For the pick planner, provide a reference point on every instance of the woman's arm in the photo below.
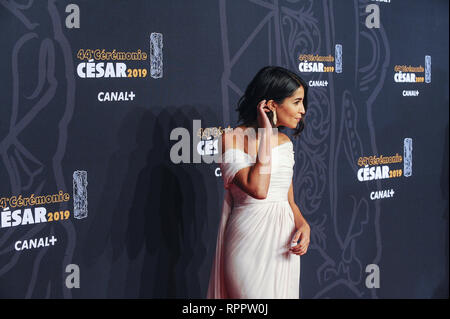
(255, 180)
(298, 217)
(303, 229)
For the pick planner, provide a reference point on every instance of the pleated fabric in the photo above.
(252, 258)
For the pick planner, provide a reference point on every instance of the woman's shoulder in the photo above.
(233, 138)
(236, 138)
(228, 142)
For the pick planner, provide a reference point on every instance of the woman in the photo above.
(257, 249)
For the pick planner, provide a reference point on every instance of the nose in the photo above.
(302, 109)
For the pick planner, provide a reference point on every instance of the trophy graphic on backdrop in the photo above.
(80, 194)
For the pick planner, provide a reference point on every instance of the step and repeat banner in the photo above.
(95, 95)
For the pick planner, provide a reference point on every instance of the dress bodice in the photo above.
(282, 166)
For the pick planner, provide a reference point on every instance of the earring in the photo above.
(274, 117)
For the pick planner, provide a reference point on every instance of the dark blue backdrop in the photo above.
(151, 226)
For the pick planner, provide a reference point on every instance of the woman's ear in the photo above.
(271, 104)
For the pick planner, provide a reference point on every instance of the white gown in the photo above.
(252, 258)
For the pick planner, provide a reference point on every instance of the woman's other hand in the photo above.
(302, 234)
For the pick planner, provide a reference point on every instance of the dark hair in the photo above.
(270, 83)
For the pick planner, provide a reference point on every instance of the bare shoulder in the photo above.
(237, 138)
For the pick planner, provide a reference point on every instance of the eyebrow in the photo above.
(298, 98)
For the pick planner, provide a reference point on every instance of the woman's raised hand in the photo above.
(263, 119)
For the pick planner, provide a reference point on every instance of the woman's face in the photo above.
(291, 110)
